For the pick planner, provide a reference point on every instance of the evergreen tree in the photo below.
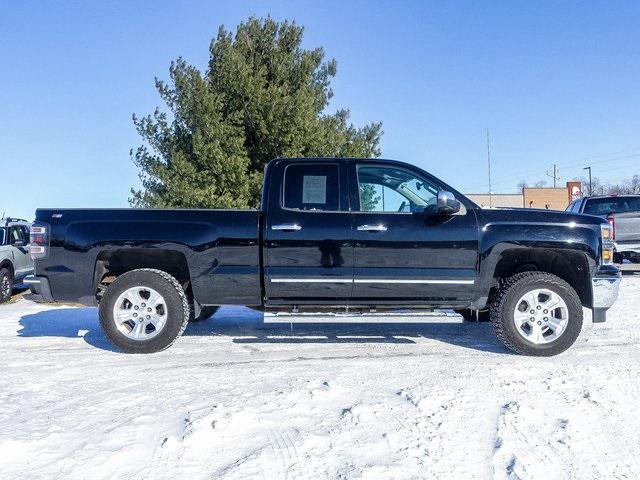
(262, 96)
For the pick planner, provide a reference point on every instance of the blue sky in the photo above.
(553, 81)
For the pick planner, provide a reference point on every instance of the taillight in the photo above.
(612, 222)
(39, 241)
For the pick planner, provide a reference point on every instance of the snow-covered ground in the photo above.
(237, 398)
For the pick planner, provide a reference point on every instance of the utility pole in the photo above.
(590, 190)
(489, 166)
(554, 176)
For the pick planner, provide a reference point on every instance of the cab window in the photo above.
(392, 189)
(314, 186)
(16, 233)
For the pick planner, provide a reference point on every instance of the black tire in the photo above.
(205, 314)
(512, 290)
(474, 315)
(6, 284)
(174, 297)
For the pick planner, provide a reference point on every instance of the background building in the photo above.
(531, 197)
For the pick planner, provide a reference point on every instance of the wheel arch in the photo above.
(112, 263)
(6, 263)
(572, 266)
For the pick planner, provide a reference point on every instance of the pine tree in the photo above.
(262, 96)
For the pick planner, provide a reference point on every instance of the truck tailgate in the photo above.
(627, 227)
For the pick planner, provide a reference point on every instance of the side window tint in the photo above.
(15, 234)
(392, 189)
(18, 232)
(312, 187)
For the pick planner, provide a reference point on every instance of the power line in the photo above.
(565, 166)
(555, 175)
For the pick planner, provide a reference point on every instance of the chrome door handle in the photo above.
(372, 228)
(287, 227)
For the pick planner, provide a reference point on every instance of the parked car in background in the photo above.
(333, 235)
(15, 261)
(623, 214)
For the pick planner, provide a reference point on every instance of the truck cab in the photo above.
(359, 231)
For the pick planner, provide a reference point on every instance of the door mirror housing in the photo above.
(446, 203)
(18, 243)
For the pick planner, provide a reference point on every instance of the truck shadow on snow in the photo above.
(246, 326)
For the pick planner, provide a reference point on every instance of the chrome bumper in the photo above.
(605, 290)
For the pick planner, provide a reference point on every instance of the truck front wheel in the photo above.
(537, 313)
(144, 311)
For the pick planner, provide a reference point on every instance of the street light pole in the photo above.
(489, 167)
(590, 187)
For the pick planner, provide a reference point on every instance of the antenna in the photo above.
(489, 166)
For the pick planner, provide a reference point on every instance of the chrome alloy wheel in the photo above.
(541, 316)
(5, 288)
(140, 313)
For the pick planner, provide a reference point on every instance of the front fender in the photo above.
(507, 247)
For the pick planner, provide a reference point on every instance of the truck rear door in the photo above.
(307, 240)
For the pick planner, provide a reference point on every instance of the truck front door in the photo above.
(403, 253)
(308, 243)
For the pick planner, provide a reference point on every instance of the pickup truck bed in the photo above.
(217, 249)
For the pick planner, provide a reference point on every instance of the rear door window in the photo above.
(313, 186)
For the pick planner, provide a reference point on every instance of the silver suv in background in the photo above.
(15, 261)
(623, 214)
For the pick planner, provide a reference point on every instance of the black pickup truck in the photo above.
(333, 235)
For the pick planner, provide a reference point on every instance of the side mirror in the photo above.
(446, 203)
(18, 243)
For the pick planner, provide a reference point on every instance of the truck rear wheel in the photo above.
(6, 284)
(144, 311)
(537, 313)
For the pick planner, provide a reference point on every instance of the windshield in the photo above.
(603, 206)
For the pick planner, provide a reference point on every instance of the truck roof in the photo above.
(4, 222)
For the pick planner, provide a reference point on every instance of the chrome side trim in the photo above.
(31, 280)
(434, 282)
(372, 228)
(373, 280)
(311, 280)
(291, 227)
